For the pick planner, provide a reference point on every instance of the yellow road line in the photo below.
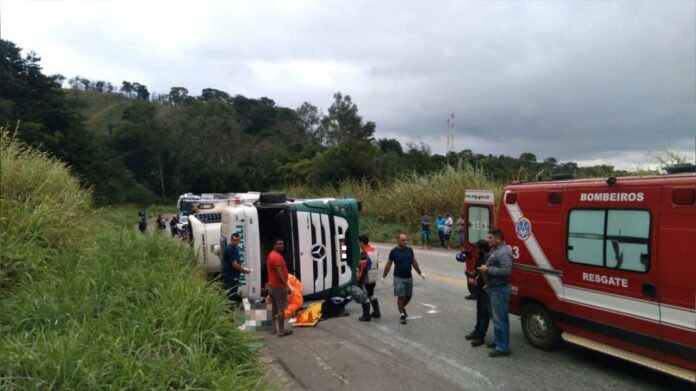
(449, 280)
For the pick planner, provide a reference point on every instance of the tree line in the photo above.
(131, 145)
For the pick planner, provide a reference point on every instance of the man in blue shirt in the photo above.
(403, 259)
(232, 267)
(441, 230)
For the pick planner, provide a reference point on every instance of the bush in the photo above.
(90, 303)
(42, 208)
(397, 205)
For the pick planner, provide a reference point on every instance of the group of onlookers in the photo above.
(444, 225)
(491, 278)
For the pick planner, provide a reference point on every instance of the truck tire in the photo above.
(272, 198)
(538, 327)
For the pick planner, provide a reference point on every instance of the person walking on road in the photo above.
(448, 229)
(425, 230)
(232, 268)
(441, 230)
(496, 273)
(370, 277)
(278, 288)
(477, 337)
(403, 259)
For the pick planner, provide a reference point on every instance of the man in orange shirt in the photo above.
(278, 288)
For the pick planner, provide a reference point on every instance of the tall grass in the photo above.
(40, 203)
(103, 306)
(397, 206)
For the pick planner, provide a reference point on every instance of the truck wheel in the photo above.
(538, 327)
(272, 198)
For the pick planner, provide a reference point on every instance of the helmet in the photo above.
(359, 293)
(461, 257)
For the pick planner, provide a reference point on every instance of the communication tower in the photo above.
(450, 133)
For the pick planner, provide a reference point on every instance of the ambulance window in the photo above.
(628, 233)
(616, 239)
(586, 237)
(478, 219)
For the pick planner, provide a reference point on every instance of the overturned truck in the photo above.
(320, 235)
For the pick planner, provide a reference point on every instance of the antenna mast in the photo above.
(450, 133)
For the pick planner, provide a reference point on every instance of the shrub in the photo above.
(42, 208)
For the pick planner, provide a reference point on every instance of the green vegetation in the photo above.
(133, 146)
(89, 303)
(397, 205)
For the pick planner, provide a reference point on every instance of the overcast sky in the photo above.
(587, 81)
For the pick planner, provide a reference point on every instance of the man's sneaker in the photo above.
(498, 353)
(491, 345)
(470, 297)
(403, 318)
(477, 342)
(471, 335)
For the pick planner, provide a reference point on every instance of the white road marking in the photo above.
(433, 357)
(325, 366)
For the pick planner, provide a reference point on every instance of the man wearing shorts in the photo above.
(403, 259)
(278, 288)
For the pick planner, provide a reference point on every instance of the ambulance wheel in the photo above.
(538, 327)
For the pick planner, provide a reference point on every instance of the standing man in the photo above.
(448, 229)
(496, 273)
(425, 230)
(232, 268)
(441, 230)
(403, 259)
(372, 264)
(278, 288)
(173, 225)
(461, 225)
(482, 313)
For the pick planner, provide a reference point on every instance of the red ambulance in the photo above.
(608, 264)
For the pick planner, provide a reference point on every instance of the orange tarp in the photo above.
(295, 300)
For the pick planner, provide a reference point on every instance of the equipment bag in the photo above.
(373, 273)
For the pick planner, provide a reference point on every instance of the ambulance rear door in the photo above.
(479, 214)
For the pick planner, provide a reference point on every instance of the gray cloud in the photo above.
(585, 81)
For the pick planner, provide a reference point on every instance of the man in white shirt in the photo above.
(448, 229)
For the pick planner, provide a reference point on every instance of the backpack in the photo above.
(373, 273)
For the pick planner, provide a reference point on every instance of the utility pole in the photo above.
(450, 133)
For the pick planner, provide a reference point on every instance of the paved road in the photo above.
(430, 351)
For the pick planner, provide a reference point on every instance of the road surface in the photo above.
(430, 352)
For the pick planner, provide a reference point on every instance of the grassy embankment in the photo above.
(86, 302)
(397, 206)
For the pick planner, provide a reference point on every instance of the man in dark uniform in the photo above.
(232, 268)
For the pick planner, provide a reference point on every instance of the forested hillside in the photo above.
(133, 145)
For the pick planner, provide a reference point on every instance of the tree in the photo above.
(127, 88)
(210, 94)
(343, 124)
(141, 91)
(310, 117)
(528, 158)
(390, 146)
(178, 95)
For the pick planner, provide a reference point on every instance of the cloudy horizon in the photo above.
(590, 82)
